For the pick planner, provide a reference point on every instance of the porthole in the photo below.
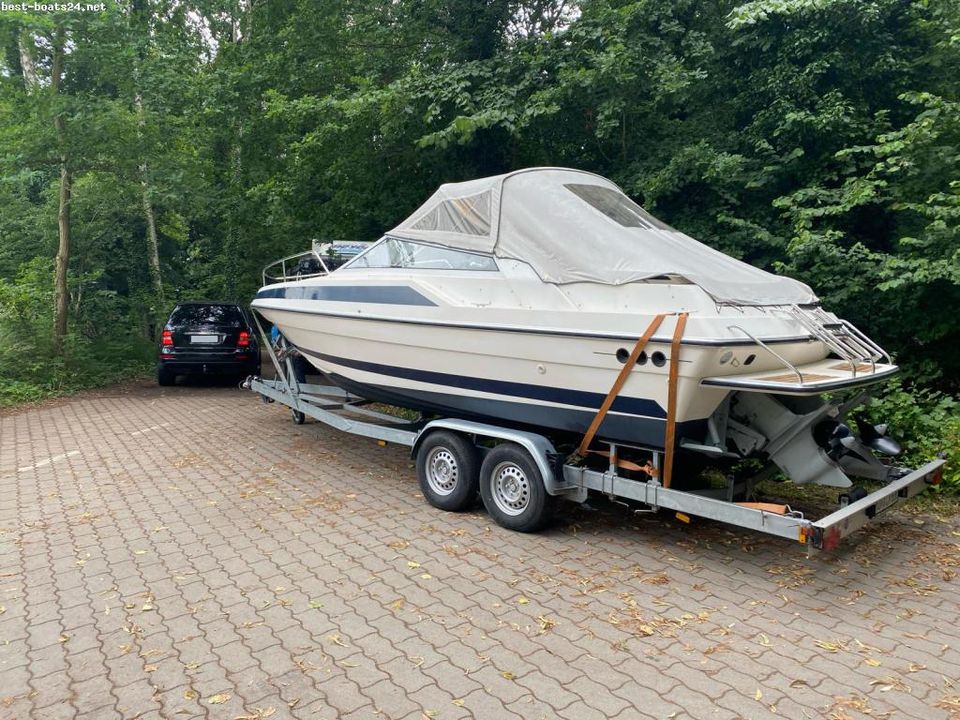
(622, 355)
(658, 359)
(750, 359)
(642, 360)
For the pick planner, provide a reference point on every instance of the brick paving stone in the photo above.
(391, 699)
(205, 520)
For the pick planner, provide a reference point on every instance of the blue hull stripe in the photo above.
(578, 398)
(375, 294)
(648, 432)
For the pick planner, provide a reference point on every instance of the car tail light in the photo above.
(244, 339)
(166, 338)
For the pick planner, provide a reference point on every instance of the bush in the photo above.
(926, 422)
(99, 349)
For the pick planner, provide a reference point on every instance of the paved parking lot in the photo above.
(189, 552)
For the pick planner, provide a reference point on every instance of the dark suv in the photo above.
(207, 338)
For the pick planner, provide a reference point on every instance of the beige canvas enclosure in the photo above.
(572, 226)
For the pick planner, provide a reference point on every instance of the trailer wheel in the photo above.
(298, 417)
(512, 489)
(448, 471)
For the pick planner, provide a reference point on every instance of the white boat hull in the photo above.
(544, 380)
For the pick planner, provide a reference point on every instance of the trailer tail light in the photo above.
(244, 340)
(166, 338)
(936, 477)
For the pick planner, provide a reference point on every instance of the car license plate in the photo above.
(204, 339)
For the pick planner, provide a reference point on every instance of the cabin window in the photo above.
(396, 253)
(616, 206)
(468, 215)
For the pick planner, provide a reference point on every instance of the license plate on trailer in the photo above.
(204, 339)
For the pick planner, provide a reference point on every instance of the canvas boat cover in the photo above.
(572, 226)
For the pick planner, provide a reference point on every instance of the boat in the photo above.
(520, 299)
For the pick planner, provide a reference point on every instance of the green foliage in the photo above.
(97, 352)
(927, 423)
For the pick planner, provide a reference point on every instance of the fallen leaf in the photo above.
(872, 662)
(546, 624)
(507, 675)
(315, 604)
(139, 552)
(190, 695)
(219, 698)
(149, 668)
(458, 702)
(412, 564)
(427, 576)
(951, 703)
(430, 713)
(335, 639)
(886, 684)
(764, 640)
(829, 646)
(523, 601)
(915, 667)
(758, 695)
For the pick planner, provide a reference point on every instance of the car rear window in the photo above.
(229, 315)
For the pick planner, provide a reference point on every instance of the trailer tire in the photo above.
(512, 489)
(448, 471)
(298, 417)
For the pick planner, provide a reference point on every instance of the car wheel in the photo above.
(165, 377)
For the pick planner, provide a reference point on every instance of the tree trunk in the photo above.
(153, 247)
(61, 291)
(153, 250)
(28, 65)
(141, 26)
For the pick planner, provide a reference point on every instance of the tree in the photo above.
(61, 292)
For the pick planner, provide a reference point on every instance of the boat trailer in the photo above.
(521, 467)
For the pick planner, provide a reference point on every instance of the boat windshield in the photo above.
(394, 253)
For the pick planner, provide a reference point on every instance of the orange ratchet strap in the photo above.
(672, 398)
(621, 379)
